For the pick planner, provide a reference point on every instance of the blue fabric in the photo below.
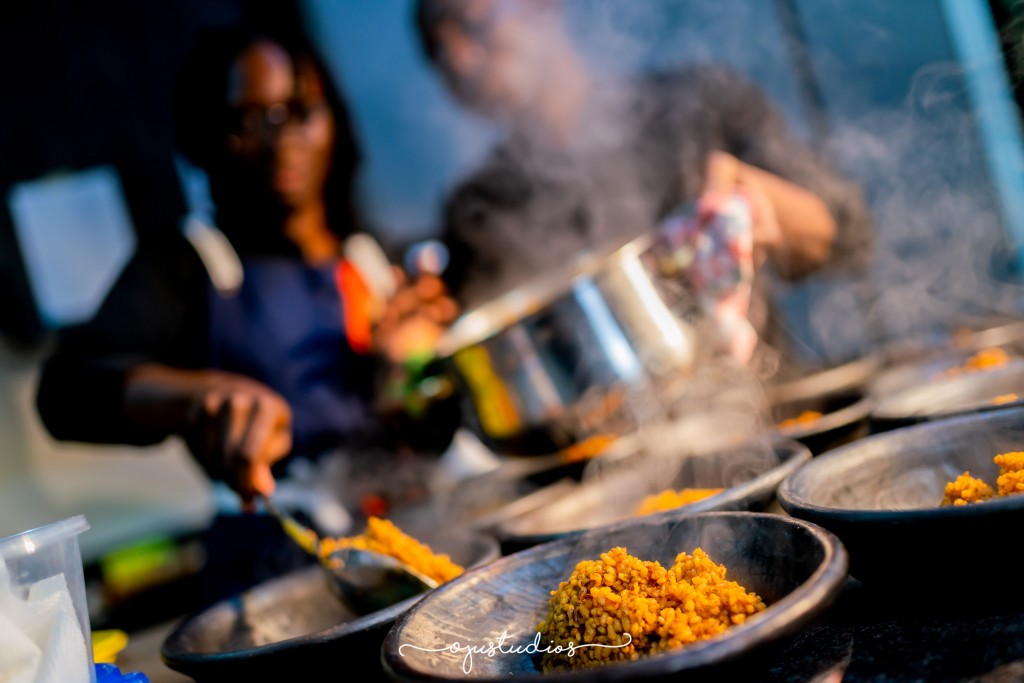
(108, 673)
(285, 328)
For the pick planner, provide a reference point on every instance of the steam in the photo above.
(940, 238)
(941, 254)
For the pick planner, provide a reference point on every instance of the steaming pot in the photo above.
(572, 359)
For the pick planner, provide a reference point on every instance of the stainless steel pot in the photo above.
(573, 358)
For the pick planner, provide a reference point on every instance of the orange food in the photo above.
(634, 607)
(670, 499)
(1010, 483)
(803, 419)
(1009, 462)
(1004, 398)
(588, 448)
(986, 359)
(384, 537)
(967, 489)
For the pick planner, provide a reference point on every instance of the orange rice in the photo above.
(636, 607)
(384, 537)
(588, 448)
(984, 359)
(1010, 483)
(802, 420)
(669, 499)
(967, 489)
(1009, 462)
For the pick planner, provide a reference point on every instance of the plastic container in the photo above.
(50, 550)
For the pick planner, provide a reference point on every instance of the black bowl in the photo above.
(943, 395)
(934, 362)
(797, 568)
(882, 495)
(844, 418)
(838, 380)
(516, 486)
(838, 393)
(961, 339)
(915, 370)
(1004, 332)
(750, 475)
(294, 623)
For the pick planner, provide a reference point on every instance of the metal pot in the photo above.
(575, 358)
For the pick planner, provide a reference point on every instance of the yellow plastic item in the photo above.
(106, 645)
(134, 568)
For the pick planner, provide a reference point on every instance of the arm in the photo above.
(799, 186)
(792, 225)
(149, 316)
(134, 375)
(236, 427)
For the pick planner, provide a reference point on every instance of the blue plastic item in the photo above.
(109, 673)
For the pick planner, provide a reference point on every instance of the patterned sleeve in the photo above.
(751, 127)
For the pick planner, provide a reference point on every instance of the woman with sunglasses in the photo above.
(286, 360)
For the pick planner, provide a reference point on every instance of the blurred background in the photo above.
(917, 100)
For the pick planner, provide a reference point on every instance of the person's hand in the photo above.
(415, 318)
(238, 428)
(235, 426)
(725, 176)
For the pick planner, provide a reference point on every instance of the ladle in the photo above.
(366, 580)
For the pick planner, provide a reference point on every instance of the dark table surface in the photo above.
(895, 633)
(968, 633)
(965, 634)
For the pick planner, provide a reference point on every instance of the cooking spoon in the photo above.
(366, 580)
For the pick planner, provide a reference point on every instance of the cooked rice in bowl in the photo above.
(384, 537)
(966, 489)
(670, 499)
(481, 626)
(619, 607)
(743, 478)
(883, 497)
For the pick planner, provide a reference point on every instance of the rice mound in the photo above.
(635, 607)
(669, 499)
(967, 489)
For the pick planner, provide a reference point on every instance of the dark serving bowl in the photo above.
(962, 338)
(838, 380)
(882, 495)
(844, 418)
(1003, 332)
(516, 486)
(941, 395)
(838, 393)
(796, 567)
(933, 361)
(749, 474)
(294, 623)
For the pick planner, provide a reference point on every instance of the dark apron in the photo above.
(285, 327)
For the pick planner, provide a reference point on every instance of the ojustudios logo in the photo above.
(500, 647)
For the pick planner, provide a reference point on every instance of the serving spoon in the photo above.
(365, 580)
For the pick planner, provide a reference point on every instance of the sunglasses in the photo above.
(258, 122)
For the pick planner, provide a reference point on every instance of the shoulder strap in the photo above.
(215, 251)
